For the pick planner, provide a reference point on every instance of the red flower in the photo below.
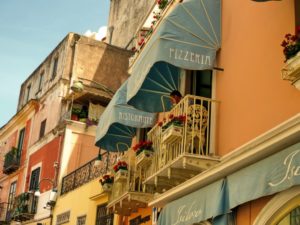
(171, 116)
(160, 123)
(288, 36)
(284, 43)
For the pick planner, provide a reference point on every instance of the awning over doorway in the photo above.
(117, 124)
(205, 203)
(188, 38)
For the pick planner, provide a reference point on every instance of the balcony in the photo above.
(183, 143)
(11, 161)
(291, 71)
(4, 214)
(86, 173)
(24, 207)
(129, 194)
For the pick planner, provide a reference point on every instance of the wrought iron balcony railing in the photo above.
(106, 220)
(183, 138)
(11, 161)
(86, 173)
(24, 207)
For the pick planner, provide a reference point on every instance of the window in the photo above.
(199, 83)
(21, 141)
(54, 68)
(11, 198)
(142, 134)
(41, 81)
(295, 216)
(28, 92)
(102, 218)
(297, 12)
(81, 220)
(42, 128)
(34, 179)
(292, 218)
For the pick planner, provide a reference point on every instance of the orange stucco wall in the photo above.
(253, 96)
(247, 213)
(143, 212)
(83, 150)
(47, 155)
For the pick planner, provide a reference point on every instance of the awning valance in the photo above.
(268, 176)
(188, 38)
(207, 202)
(117, 124)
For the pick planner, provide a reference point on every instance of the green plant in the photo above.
(291, 44)
(76, 111)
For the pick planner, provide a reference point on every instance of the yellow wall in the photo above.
(43, 222)
(79, 203)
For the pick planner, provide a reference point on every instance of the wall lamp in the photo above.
(98, 160)
(53, 193)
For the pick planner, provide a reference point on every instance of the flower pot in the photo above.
(173, 133)
(74, 117)
(107, 187)
(144, 157)
(121, 175)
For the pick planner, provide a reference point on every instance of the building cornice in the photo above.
(270, 142)
(30, 107)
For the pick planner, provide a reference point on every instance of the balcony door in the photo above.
(21, 142)
(11, 199)
(197, 83)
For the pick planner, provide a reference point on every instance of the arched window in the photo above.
(283, 209)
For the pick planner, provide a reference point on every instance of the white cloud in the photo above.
(97, 35)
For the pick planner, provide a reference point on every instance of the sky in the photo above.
(30, 30)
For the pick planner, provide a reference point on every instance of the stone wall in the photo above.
(125, 18)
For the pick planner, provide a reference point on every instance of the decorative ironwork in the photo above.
(11, 161)
(24, 207)
(87, 172)
(106, 220)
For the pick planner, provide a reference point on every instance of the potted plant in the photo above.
(121, 170)
(291, 51)
(172, 129)
(75, 114)
(107, 181)
(291, 46)
(143, 151)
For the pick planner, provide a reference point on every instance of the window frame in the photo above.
(34, 179)
(21, 142)
(54, 67)
(28, 89)
(42, 128)
(41, 81)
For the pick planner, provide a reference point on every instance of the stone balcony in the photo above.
(182, 149)
(291, 71)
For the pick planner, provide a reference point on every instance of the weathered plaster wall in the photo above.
(126, 16)
(102, 63)
(46, 68)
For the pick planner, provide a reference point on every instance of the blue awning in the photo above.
(268, 176)
(186, 38)
(208, 202)
(117, 124)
